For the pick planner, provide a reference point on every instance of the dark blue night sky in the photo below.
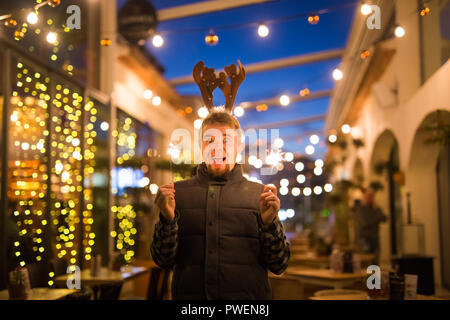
(183, 47)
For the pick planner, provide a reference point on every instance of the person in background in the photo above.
(368, 218)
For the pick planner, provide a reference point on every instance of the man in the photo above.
(220, 231)
(368, 218)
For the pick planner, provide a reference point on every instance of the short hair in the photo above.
(221, 117)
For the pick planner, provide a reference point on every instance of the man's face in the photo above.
(220, 147)
(368, 197)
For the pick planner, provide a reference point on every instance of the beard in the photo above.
(216, 170)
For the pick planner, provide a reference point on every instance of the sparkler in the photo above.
(275, 158)
(174, 153)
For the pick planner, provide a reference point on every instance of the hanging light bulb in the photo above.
(314, 139)
(10, 22)
(54, 3)
(198, 123)
(238, 111)
(366, 9)
(157, 41)
(424, 11)
(263, 31)
(307, 191)
(304, 92)
(261, 107)
(51, 37)
(309, 149)
(365, 54)
(105, 42)
(212, 38)
(288, 156)
(346, 128)
(284, 100)
(313, 19)
(203, 112)
(328, 187)
(148, 94)
(337, 74)
(18, 35)
(278, 143)
(156, 101)
(32, 18)
(399, 32)
(332, 138)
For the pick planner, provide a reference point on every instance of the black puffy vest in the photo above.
(219, 252)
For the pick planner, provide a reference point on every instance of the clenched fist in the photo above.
(269, 204)
(165, 200)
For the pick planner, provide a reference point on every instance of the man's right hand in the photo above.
(165, 200)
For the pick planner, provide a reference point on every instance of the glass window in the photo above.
(28, 179)
(135, 144)
(57, 170)
(66, 172)
(96, 179)
(68, 49)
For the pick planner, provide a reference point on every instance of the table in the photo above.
(299, 249)
(42, 294)
(365, 297)
(323, 262)
(326, 277)
(105, 276)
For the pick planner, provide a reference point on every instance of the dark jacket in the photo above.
(217, 243)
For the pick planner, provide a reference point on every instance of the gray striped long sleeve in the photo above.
(275, 247)
(165, 242)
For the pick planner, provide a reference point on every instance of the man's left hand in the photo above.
(269, 204)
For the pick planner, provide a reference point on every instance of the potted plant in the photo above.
(18, 284)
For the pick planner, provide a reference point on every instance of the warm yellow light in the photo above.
(52, 37)
(284, 100)
(32, 18)
(400, 32)
(157, 41)
(337, 74)
(366, 9)
(263, 31)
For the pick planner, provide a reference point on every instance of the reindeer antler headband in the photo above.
(207, 81)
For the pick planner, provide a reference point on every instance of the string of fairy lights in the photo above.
(42, 125)
(125, 231)
(28, 178)
(263, 31)
(30, 182)
(69, 143)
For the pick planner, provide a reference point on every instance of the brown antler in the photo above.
(230, 89)
(207, 81)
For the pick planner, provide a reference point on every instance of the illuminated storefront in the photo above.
(65, 195)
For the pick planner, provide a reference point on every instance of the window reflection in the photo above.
(135, 143)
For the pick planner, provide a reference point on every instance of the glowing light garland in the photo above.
(66, 175)
(28, 179)
(124, 216)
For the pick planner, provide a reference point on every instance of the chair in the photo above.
(159, 283)
(110, 291)
(38, 274)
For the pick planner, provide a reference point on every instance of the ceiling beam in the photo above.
(287, 123)
(203, 7)
(302, 135)
(275, 64)
(296, 98)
